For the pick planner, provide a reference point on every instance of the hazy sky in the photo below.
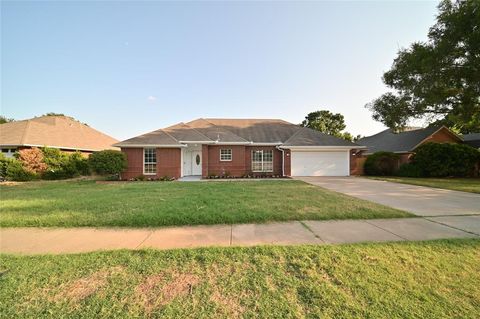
(126, 68)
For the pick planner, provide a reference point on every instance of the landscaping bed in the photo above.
(154, 204)
(437, 279)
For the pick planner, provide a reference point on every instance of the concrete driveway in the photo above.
(419, 200)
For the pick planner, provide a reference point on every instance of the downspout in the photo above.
(283, 160)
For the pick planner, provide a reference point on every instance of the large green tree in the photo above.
(325, 122)
(437, 80)
(328, 123)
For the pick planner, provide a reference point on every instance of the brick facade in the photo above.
(441, 136)
(241, 162)
(168, 163)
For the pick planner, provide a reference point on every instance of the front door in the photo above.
(196, 163)
(192, 162)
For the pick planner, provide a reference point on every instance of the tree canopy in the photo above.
(437, 80)
(329, 123)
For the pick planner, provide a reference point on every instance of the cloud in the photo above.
(152, 98)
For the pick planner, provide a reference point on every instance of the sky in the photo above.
(127, 68)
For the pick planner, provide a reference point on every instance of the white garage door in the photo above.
(324, 163)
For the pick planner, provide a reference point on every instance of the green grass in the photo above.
(438, 279)
(151, 204)
(471, 185)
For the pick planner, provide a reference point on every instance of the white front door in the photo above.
(196, 163)
(192, 162)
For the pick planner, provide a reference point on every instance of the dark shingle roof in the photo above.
(308, 137)
(237, 131)
(390, 141)
(158, 137)
(214, 132)
(183, 132)
(472, 139)
(258, 130)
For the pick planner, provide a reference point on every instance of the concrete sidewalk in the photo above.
(75, 240)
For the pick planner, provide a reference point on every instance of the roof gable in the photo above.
(389, 141)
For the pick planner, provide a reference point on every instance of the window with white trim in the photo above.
(225, 155)
(149, 161)
(262, 161)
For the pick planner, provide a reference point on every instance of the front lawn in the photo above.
(438, 279)
(471, 185)
(150, 204)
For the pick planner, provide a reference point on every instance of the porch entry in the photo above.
(192, 162)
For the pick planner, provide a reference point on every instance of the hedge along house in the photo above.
(404, 143)
(236, 147)
(61, 132)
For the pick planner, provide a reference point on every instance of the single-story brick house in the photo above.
(62, 132)
(236, 147)
(404, 143)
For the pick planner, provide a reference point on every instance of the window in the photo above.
(225, 155)
(149, 161)
(9, 152)
(262, 161)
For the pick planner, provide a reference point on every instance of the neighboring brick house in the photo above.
(236, 147)
(62, 132)
(404, 143)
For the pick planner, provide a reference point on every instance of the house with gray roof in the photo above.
(405, 142)
(236, 147)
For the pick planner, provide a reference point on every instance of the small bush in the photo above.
(446, 159)
(4, 162)
(409, 170)
(16, 172)
(63, 165)
(381, 164)
(54, 158)
(80, 164)
(108, 162)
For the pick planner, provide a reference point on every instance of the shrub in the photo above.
(381, 164)
(16, 172)
(446, 159)
(108, 162)
(63, 165)
(54, 158)
(32, 160)
(4, 162)
(80, 163)
(409, 170)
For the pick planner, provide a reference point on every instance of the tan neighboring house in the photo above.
(62, 132)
